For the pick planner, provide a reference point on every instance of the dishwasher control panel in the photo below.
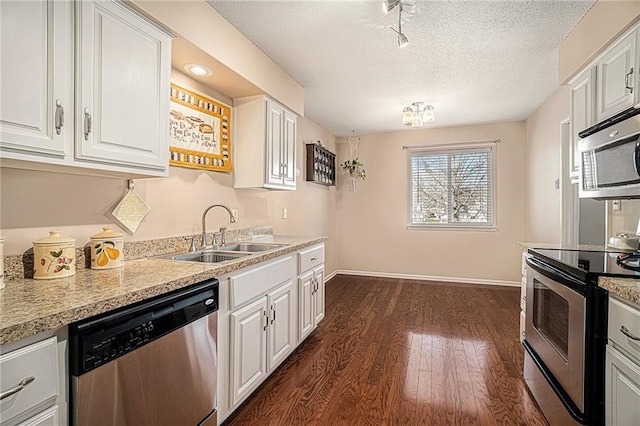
(101, 351)
(101, 339)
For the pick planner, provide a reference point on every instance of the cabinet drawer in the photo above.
(623, 315)
(256, 282)
(40, 361)
(310, 258)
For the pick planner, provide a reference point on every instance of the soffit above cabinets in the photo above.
(223, 79)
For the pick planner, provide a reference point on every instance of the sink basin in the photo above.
(207, 256)
(251, 247)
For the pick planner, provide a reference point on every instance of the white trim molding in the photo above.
(501, 283)
(331, 275)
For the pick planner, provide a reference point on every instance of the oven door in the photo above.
(555, 326)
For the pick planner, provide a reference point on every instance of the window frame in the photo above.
(453, 149)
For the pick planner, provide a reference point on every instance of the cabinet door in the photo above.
(622, 389)
(616, 77)
(289, 147)
(123, 93)
(274, 150)
(582, 100)
(36, 73)
(305, 305)
(50, 417)
(248, 349)
(318, 296)
(281, 330)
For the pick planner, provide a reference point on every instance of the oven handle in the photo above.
(554, 274)
(560, 393)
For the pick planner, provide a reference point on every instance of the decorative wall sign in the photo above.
(199, 132)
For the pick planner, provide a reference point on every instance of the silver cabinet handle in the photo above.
(87, 124)
(313, 259)
(626, 80)
(23, 384)
(624, 330)
(59, 118)
(266, 315)
(282, 167)
(274, 314)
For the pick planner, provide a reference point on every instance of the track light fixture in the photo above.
(387, 6)
(418, 116)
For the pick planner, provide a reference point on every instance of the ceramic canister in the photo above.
(106, 249)
(54, 257)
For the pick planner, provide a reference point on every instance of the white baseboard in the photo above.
(426, 278)
(331, 275)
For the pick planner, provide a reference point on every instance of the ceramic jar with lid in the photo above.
(54, 257)
(107, 249)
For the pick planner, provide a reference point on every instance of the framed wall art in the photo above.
(199, 132)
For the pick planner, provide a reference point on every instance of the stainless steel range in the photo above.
(565, 332)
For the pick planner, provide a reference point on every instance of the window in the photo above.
(452, 188)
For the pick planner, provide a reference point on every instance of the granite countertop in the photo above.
(625, 288)
(28, 306)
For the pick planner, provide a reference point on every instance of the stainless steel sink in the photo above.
(251, 247)
(206, 256)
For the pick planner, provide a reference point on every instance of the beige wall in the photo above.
(34, 202)
(625, 220)
(203, 26)
(372, 222)
(544, 166)
(606, 20)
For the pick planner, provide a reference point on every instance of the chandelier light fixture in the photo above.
(388, 6)
(418, 115)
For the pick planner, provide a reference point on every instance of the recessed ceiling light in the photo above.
(198, 69)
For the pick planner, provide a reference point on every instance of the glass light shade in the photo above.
(407, 116)
(429, 116)
(417, 121)
(198, 69)
(402, 40)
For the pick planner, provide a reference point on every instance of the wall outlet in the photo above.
(235, 214)
(284, 213)
(617, 205)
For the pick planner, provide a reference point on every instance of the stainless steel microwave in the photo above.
(610, 157)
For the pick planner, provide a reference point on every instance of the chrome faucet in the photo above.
(204, 216)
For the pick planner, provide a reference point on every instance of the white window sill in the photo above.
(473, 228)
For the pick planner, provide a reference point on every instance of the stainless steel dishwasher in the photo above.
(150, 364)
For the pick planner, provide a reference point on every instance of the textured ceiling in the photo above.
(475, 62)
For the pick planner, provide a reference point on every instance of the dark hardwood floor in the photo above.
(401, 352)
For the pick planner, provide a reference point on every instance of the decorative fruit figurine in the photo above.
(106, 249)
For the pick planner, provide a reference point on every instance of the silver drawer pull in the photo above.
(23, 384)
(314, 258)
(624, 330)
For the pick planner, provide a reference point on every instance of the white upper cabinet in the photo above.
(36, 78)
(265, 151)
(582, 99)
(123, 87)
(109, 113)
(617, 78)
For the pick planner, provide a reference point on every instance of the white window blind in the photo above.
(452, 187)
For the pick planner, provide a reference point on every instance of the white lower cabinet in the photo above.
(30, 384)
(261, 338)
(622, 389)
(50, 417)
(622, 374)
(311, 300)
